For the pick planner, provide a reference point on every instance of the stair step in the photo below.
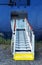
(23, 50)
(18, 48)
(21, 43)
(22, 46)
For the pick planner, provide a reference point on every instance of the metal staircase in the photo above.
(22, 43)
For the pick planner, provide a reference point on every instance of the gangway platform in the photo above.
(22, 43)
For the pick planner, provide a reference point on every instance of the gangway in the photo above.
(22, 42)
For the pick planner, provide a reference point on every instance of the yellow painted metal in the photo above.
(23, 56)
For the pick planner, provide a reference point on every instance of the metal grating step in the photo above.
(23, 50)
(20, 29)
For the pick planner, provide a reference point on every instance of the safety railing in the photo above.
(30, 34)
(13, 40)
